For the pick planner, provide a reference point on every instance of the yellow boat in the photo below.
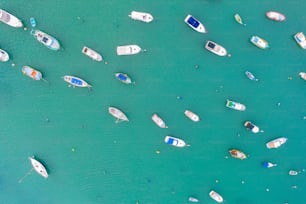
(238, 19)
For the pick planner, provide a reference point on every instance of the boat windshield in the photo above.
(76, 81)
(211, 45)
(193, 22)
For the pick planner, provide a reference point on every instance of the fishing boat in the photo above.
(38, 167)
(250, 126)
(267, 164)
(92, 54)
(195, 24)
(192, 116)
(300, 39)
(118, 114)
(251, 76)
(275, 16)
(276, 143)
(293, 173)
(128, 50)
(215, 48)
(33, 22)
(124, 78)
(46, 39)
(175, 141)
(237, 154)
(216, 196)
(158, 121)
(9, 19)
(303, 75)
(193, 200)
(76, 81)
(4, 56)
(259, 42)
(234, 105)
(141, 16)
(239, 19)
(31, 72)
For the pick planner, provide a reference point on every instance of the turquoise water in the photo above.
(91, 159)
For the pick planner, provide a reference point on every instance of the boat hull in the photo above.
(236, 106)
(124, 78)
(76, 81)
(276, 143)
(251, 76)
(300, 39)
(259, 42)
(192, 116)
(38, 167)
(195, 24)
(128, 50)
(215, 48)
(235, 153)
(91, 54)
(250, 126)
(10, 19)
(158, 121)
(275, 16)
(141, 16)
(31, 72)
(117, 114)
(216, 196)
(303, 75)
(4, 56)
(46, 39)
(174, 141)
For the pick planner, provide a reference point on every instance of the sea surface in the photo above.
(91, 159)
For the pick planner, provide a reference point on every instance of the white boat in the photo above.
(38, 167)
(303, 75)
(124, 78)
(259, 42)
(4, 56)
(175, 141)
(251, 76)
(92, 54)
(118, 114)
(76, 81)
(276, 143)
(216, 196)
(9, 19)
(158, 121)
(215, 48)
(268, 164)
(46, 39)
(293, 173)
(234, 105)
(237, 154)
(193, 200)
(32, 73)
(300, 39)
(195, 24)
(275, 16)
(128, 50)
(141, 16)
(250, 126)
(192, 116)
(239, 19)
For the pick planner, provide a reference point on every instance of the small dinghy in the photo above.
(46, 39)
(193, 200)
(192, 116)
(38, 167)
(237, 154)
(92, 54)
(235, 105)
(175, 141)
(128, 50)
(293, 173)
(300, 39)
(239, 19)
(10, 19)
(4, 56)
(76, 81)
(158, 121)
(275, 16)
(250, 126)
(33, 22)
(31, 72)
(259, 42)
(124, 78)
(118, 114)
(267, 164)
(251, 76)
(141, 16)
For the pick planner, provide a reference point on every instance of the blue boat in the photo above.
(33, 22)
(75, 81)
(251, 76)
(124, 78)
(268, 164)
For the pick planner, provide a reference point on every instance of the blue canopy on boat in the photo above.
(170, 141)
(193, 22)
(265, 164)
(76, 81)
(122, 77)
